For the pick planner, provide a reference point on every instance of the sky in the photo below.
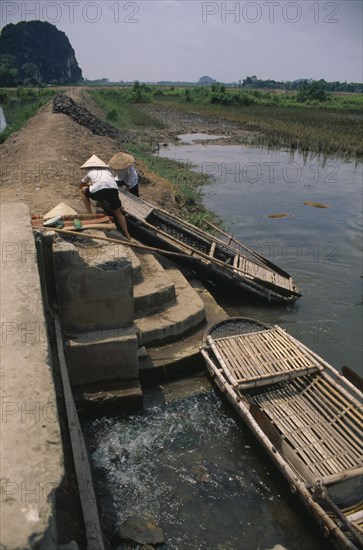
(182, 40)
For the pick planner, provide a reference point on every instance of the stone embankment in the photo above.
(65, 104)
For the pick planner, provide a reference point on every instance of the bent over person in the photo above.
(99, 185)
(123, 169)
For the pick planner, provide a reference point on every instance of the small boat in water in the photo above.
(306, 415)
(224, 260)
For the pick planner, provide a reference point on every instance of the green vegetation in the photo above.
(121, 106)
(336, 86)
(310, 119)
(19, 105)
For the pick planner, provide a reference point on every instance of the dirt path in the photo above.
(40, 164)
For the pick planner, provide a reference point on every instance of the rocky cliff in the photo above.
(36, 52)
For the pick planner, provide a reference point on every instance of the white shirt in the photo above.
(99, 179)
(128, 175)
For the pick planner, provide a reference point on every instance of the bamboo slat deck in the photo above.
(308, 417)
(318, 422)
(230, 260)
(138, 207)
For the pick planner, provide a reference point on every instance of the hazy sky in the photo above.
(152, 40)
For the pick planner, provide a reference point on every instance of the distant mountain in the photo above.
(36, 52)
(206, 80)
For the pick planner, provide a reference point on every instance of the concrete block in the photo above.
(102, 355)
(93, 293)
(31, 455)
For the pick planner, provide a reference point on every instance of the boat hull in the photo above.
(230, 263)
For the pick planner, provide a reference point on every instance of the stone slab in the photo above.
(155, 291)
(31, 456)
(102, 356)
(109, 399)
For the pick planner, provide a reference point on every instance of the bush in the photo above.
(4, 98)
(112, 115)
(312, 91)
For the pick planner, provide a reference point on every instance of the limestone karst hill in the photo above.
(36, 52)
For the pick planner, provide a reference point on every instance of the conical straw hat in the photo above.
(62, 209)
(94, 162)
(121, 160)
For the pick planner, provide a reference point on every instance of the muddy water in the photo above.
(189, 462)
(260, 196)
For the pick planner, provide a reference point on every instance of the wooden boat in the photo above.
(223, 260)
(305, 414)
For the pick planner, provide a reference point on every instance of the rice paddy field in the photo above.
(333, 126)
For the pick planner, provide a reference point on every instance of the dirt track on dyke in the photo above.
(40, 164)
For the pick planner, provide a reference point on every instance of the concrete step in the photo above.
(181, 317)
(181, 357)
(156, 291)
(153, 289)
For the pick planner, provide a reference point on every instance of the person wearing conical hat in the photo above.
(123, 169)
(99, 185)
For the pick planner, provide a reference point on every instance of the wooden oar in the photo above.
(74, 232)
(353, 377)
(193, 252)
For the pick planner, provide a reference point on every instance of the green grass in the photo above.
(123, 114)
(20, 105)
(331, 127)
(300, 127)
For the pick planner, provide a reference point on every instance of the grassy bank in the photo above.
(331, 125)
(188, 185)
(19, 105)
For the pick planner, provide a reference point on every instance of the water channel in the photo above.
(188, 462)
